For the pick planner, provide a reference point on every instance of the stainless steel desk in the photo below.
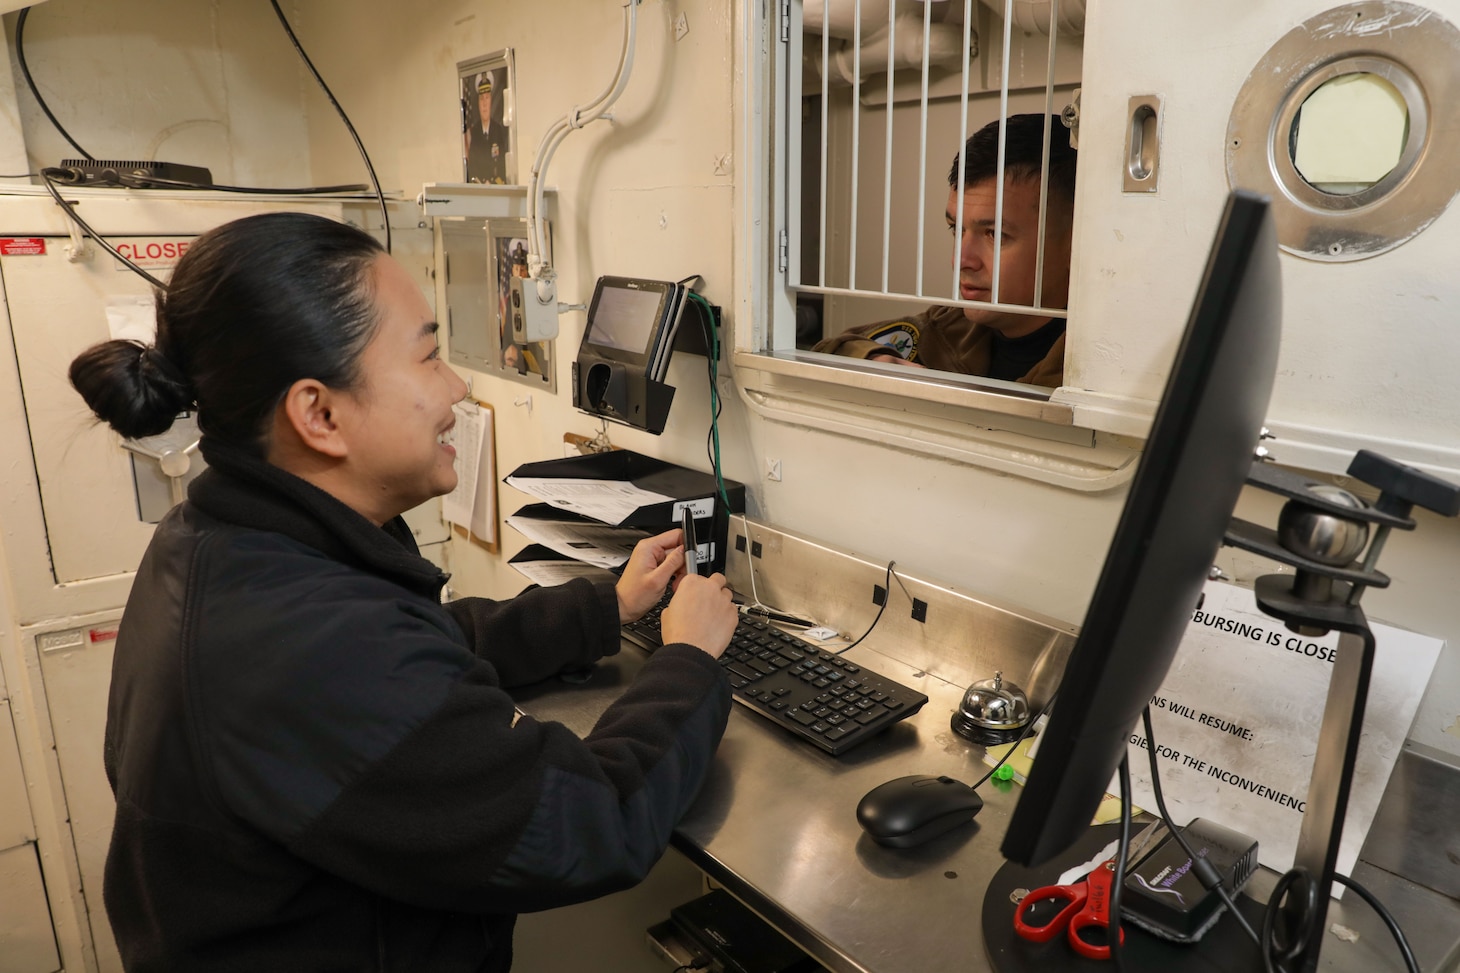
(776, 825)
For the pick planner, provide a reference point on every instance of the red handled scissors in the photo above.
(1087, 906)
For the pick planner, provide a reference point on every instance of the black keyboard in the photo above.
(822, 698)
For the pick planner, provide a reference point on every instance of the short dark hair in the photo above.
(1023, 154)
(252, 307)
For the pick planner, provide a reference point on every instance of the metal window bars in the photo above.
(837, 166)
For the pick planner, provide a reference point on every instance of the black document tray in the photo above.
(644, 472)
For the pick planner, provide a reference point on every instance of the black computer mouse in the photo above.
(911, 810)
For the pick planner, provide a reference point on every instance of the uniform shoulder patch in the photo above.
(901, 337)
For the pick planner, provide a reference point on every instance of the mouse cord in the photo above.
(1023, 734)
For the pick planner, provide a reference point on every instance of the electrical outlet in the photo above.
(920, 610)
(740, 543)
(879, 595)
(772, 469)
(755, 548)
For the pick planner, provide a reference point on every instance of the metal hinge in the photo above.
(785, 21)
(783, 252)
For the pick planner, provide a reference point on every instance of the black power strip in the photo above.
(100, 173)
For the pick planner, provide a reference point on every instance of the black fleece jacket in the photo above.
(316, 765)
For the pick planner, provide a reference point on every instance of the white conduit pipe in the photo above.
(559, 130)
(1033, 16)
(840, 21)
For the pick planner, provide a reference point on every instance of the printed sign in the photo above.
(22, 246)
(1236, 723)
(151, 252)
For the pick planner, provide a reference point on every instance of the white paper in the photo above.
(1085, 868)
(611, 501)
(592, 543)
(132, 317)
(1236, 724)
(473, 503)
(549, 573)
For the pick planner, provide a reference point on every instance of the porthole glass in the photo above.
(1350, 124)
(1350, 133)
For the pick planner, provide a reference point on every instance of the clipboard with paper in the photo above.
(472, 506)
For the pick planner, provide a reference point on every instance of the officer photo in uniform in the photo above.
(486, 137)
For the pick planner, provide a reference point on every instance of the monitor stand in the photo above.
(1224, 949)
(1320, 597)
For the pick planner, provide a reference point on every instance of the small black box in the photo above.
(717, 927)
(1164, 897)
(139, 173)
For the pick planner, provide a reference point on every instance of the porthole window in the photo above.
(1350, 133)
(1348, 123)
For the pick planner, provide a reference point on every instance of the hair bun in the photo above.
(156, 369)
(134, 388)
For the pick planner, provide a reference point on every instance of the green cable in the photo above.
(714, 355)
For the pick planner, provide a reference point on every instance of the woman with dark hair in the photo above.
(315, 762)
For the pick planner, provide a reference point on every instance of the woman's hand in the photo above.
(700, 614)
(656, 562)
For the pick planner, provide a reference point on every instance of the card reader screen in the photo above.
(625, 318)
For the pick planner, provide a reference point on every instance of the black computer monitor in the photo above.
(1195, 462)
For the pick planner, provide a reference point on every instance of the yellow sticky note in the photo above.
(1019, 763)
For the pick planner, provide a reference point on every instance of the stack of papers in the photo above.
(610, 501)
(547, 568)
(596, 508)
(572, 536)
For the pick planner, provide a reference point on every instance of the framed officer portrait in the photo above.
(488, 140)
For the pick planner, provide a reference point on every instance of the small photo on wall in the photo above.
(526, 361)
(487, 87)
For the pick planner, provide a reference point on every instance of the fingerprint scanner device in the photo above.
(725, 935)
(623, 358)
(1162, 892)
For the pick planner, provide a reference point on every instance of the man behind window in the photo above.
(995, 344)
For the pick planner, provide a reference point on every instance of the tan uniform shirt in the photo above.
(941, 338)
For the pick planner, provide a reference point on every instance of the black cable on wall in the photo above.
(374, 180)
(35, 92)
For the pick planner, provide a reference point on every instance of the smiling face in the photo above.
(1017, 255)
(399, 418)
